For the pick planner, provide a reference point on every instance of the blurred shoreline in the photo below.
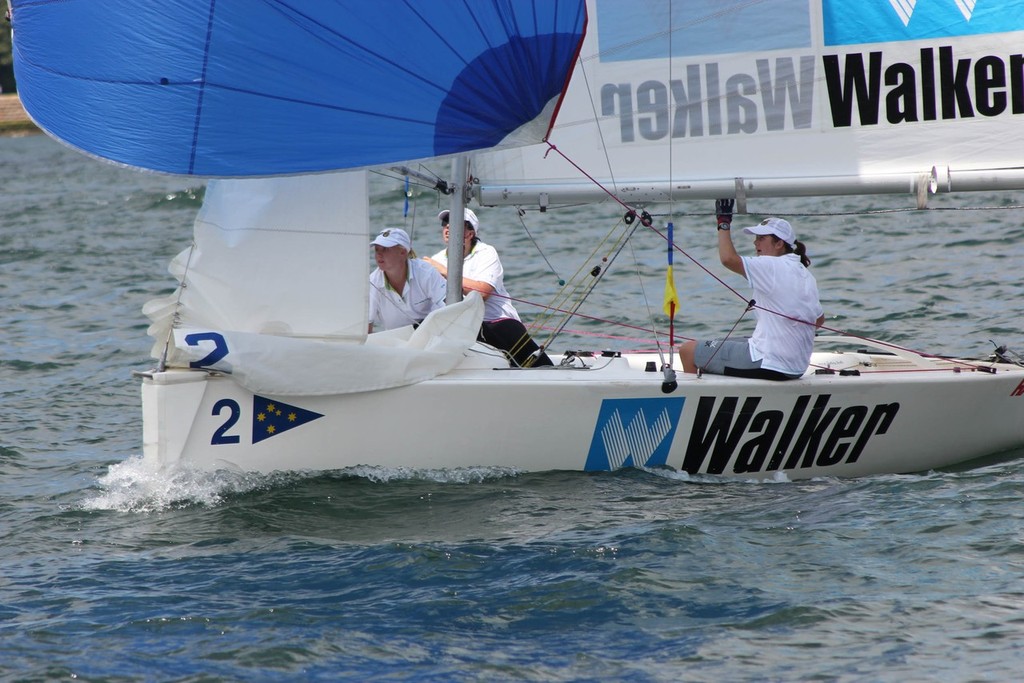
(13, 118)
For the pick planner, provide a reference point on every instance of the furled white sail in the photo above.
(274, 291)
(255, 238)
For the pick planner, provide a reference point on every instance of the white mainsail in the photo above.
(704, 99)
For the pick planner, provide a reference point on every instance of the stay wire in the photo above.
(671, 206)
(572, 295)
(176, 315)
(598, 272)
(600, 129)
(521, 212)
(750, 307)
(650, 313)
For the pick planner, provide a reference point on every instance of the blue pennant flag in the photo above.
(270, 418)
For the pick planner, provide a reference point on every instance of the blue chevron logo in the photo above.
(878, 21)
(633, 432)
(905, 9)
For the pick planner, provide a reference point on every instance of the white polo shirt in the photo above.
(782, 284)
(424, 291)
(482, 264)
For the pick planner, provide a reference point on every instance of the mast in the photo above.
(456, 243)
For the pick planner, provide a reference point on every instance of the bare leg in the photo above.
(686, 352)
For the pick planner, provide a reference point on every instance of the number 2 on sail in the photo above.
(220, 348)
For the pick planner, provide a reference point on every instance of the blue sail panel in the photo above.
(273, 87)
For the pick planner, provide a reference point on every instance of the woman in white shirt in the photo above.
(403, 289)
(482, 272)
(788, 309)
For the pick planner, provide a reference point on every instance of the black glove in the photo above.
(723, 212)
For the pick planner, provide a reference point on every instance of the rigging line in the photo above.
(750, 305)
(578, 291)
(612, 195)
(600, 335)
(575, 313)
(879, 342)
(647, 223)
(522, 212)
(650, 226)
(176, 316)
(597, 119)
(647, 305)
(869, 212)
(398, 171)
(697, 263)
(601, 272)
(568, 313)
(772, 312)
(670, 275)
(852, 335)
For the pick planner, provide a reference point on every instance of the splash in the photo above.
(134, 486)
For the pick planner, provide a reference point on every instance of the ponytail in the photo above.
(801, 250)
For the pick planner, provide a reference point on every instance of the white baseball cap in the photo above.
(393, 237)
(469, 216)
(779, 227)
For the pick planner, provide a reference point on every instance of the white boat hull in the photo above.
(894, 416)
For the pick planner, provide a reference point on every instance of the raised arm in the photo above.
(726, 250)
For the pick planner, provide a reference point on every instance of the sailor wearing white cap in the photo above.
(787, 305)
(403, 289)
(482, 271)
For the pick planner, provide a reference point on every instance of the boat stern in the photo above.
(170, 400)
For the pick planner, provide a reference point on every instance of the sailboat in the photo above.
(263, 359)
